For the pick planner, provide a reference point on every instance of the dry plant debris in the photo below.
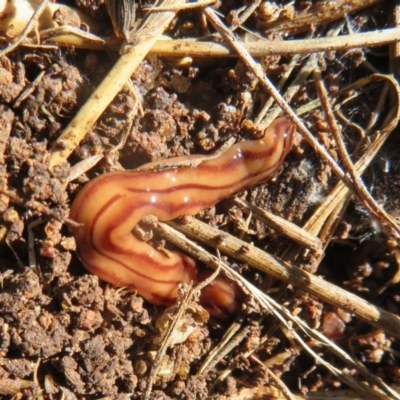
(315, 250)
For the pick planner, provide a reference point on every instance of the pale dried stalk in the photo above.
(164, 346)
(395, 47)
(145, 37)
(298, 82)
(328, 215)
(286, 47)
(282, 226)
(315, 285)
(320, 215)
(245, 15)
(230, 340)
(362, 193)
(290, 92)
(181, 48)
(278, 382)
(269, 87)
(188, 296)
(189, 6)
(283, 315)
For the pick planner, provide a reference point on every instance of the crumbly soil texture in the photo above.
(66, 334)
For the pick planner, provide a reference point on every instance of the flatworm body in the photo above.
(111, 205)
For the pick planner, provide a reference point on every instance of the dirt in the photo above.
(66, 334)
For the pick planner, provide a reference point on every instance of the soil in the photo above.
(66, 334)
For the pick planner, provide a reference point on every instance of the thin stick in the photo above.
(145, 38)
(189, 6)
(164, 346)
(285, 317)
(269, 87)
(286, 47)
(364, 196)
(245, 14)
(262, 48)
(282, 226)
(315, 285)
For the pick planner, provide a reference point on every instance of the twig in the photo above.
(182, 7)
(315, 285)
(164, 346)
(284, 316)
(81, 167)
(294, 87)
(188, 295)
(228, 342)
(146, 36)
(284, 389)
(269, 87)
(263, 119)
(262, 48)
(245, 14)
(395, 47)
(314, 223)
(29, 89)
(283, 226)
(362, 193)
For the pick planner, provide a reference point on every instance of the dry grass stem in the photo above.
(284, 389)
(362, 193)
(315, 285)
(328, 215)
(282, 226)
(284, 316)
(245, 14)
(395, 47)
(188, 295)
(270, 88)
(298, 82)
(316, 221)
(262, 121)
(262, 48)
(79, 34)
(165, 343)
(83, 166)
(231, 339)
(182, 7)
(153, 26)
(68, 36)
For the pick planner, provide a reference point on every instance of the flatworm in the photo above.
(109, 207)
